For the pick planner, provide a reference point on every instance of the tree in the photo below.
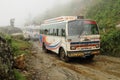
(12, 21)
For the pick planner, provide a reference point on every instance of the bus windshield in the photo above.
(79, 27)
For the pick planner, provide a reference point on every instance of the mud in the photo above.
(48, 66)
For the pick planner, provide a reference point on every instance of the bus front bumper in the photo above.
(83, 53)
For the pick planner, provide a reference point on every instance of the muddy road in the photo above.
(48, 66)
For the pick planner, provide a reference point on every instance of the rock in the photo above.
(20, 62)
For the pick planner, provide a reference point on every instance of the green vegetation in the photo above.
(107, 15)
(18, 75)
(110, 43)
(20, 47)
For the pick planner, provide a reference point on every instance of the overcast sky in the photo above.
(22, 9)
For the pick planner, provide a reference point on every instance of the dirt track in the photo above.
(48, 66)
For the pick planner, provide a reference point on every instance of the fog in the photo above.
(23, 10)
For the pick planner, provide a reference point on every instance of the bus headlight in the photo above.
(72, 48)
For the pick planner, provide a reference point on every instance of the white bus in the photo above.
(69, 37)
(31, 32)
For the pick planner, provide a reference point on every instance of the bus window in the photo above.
(53, 31)
(45, 31)
(62, 32)
(48, 31)
(75, 28)
(57, 32)
(91, 29)
(41, 31)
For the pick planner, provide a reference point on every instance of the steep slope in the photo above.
(106, 13)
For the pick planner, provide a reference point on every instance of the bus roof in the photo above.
(62, 18)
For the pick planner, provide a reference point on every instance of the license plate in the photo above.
(87, 53)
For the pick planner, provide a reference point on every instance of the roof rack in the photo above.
(62, 18)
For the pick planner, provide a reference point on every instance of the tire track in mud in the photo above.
(90, 69)
(55, 71)
(102, 68)
(93, 70)
(108, 66)
(89, 72)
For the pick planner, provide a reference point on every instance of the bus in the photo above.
(70, 36)
(31, 32)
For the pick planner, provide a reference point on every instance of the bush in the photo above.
(18, 75)
(20, 47)
(11, 47)
(110, 43)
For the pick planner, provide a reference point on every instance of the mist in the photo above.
(27, 12)
(24, 10)
(71, 8)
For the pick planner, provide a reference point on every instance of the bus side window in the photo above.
(40, 31)
(62, 32)
(53, 32)
(57, 32)
(48, 32)
(45, 31)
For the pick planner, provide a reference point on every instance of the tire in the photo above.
(44, 49)
(63, 57)
(90, 57)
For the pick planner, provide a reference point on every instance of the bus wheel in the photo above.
(44, 49)
(63, 57)
(90, 57)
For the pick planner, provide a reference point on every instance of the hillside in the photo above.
(106, 13)
(75, 7)
(10, 30)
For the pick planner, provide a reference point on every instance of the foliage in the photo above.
(106, 13)
(19, 46)
(17, 43)
(18, 75)
(110, 43)
(6, 60)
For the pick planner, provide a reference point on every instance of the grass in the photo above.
(18, 75)
(20, 47)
